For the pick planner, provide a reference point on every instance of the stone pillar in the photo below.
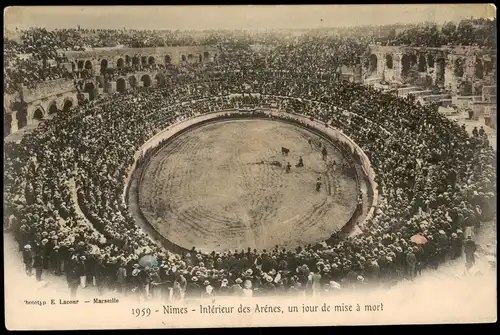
(13, 122)
(97, 68)
(29, 115)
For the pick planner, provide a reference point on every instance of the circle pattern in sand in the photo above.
(219, 187)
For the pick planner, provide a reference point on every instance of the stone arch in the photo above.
(132, 80)
(128, 60)
(104, 65)
(121, 85)
(422, 64)
(183, 58)
(144, 60)
(73, 67)
(200, 58)
(373, 63)
(167, 59)
(68, 104)
(52, 108)
(190, 58)
(389, 62)
(81, 64)
(120, 63)
(479, 71)
(405, 65)
(206, 55)
(151, 60)
(38, 114)
(146, 80)
(88, 65)
(430, 61)
(136, 60)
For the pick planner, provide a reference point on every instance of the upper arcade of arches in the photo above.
(122, 57)
(446, 67)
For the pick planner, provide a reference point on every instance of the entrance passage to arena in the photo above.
(120, 63)
(405, 65)
(68, 104)
(53, 108)
(151, 61)
(38, 114)
(146, 80)
(121, 85)
(389, 62)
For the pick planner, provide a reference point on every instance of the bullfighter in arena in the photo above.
(318, 184)
(288, 167)
(324, 153)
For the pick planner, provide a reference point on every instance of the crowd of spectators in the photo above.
(434, 181)
(37, 54)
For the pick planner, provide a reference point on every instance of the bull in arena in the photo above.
(285, 151)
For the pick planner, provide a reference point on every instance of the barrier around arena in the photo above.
(180, 127)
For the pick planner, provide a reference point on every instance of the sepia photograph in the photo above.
(249, 166)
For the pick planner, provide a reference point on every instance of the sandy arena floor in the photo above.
(209, 189)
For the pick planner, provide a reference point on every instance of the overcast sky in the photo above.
(231, 17)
